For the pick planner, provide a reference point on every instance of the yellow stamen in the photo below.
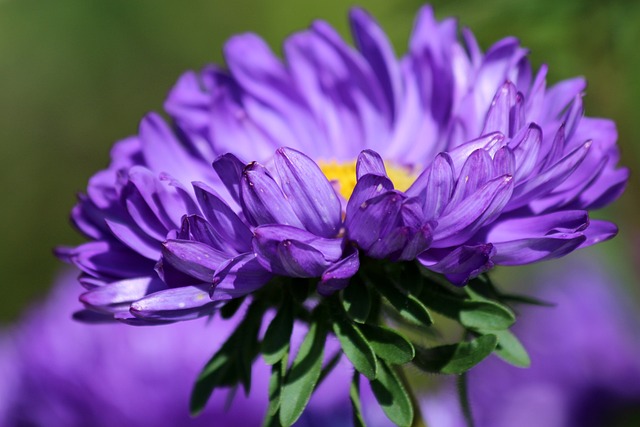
(343, 176)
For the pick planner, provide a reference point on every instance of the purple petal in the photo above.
(263, 201)
(462, 263)
(237, 277)
(476, 172)
(457, 225)
(376, 49)
(500, 113)
(370, 162)
(374, 218)
(533, 249)
(193, 258)
(338, 275)
(226, 224)
(599, 231)
(111, 259)
(310, 194)
(526, 152)
(134, 238)
(117, 296)
(538, 226)
(434, 186)
(184, 303)
(229, 169)
(269, 237)
(368, 187)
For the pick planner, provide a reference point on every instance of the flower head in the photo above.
(463, 160)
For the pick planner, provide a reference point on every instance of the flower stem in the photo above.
(463, 393)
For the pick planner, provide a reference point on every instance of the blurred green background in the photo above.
(76, 75)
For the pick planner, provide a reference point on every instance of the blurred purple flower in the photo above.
(57, 372)
(585, 370)
(458, 158)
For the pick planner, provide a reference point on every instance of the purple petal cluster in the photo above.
(503, 168)
(585, 370)
(59, 373)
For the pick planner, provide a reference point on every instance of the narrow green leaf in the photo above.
(486, 315)
(304, 374)
(392, 396)
(455, 358)
(353, 343)
(278, 371)
(388, 344)
(356, 300)
(276, 340)
(356, 406)
(511, 350)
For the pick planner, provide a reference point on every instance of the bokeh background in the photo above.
(76, 75)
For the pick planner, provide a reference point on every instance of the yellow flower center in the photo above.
(343, 176)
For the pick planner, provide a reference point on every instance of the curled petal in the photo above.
(193, 258)
(262, 199)
(374, 219)
(337, 276)
(237, 277)
(599, 231)
(183, 303)
(229, 228)
(117, 296)
(310, 194)
(370, 162)
(229, 169)
(461, 264)
(294, 252)
(533, 249)
(458, 224)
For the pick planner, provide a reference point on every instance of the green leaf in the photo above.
(331, 364)
(353, 343)
(276, 340)
(388, 344)
(455, 358)
(215, 374)
(392, 396)
(511, 350)
(486, 315)
(278, 371)
(409, 307)
(356, 406)
(304, 374)
(356, 300)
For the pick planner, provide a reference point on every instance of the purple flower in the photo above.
(458, 158)
(584, 361)
(57, 372)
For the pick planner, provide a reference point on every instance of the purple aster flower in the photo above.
(458, 158)
(57, 372)
(585, 370)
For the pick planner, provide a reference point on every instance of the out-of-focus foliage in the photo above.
(76, 75)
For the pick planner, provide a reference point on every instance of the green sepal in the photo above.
(511, 350)
(407, 305)
(388, 344)
(354, 345)
(356, 300)
(486, 315)
(392, 395)
(356, 406)
(278, 335)
(304, 373)
(455, 358)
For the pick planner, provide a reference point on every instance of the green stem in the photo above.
(463, 393)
